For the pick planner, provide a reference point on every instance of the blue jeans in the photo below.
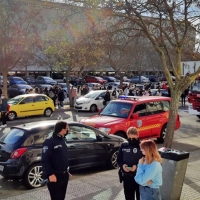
(149, 193)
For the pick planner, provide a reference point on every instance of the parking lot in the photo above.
(186, 138)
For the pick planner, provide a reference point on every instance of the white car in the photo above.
(91, 101)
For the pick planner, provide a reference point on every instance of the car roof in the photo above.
(141, 99)
(35, 125)
(29, 95)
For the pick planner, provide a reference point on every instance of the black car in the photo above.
(17, 89)
(21, 149)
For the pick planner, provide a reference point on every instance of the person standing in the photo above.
(73, 94)
(106, 98)
(61, 97)
(55, 161)
(149, 171)
(128, 157)
(4, 108)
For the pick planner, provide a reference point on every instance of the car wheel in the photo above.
(93, 108)
(12, 115)
(121, 134)
(198, 116)
(48, 112)
(162, 134)
(33, 176)
(113, 159)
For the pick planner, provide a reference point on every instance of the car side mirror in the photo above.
(135, 116)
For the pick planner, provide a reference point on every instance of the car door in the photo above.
(40, 104)
(26, 107)
(84, 150)
(141, 123)
(99, 100)
(155, 117)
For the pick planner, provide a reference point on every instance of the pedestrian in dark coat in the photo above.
(128, 157)
(106, 98)
(55, 161)
(61, 97)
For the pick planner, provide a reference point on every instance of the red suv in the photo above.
(95, 79)
(148, 113)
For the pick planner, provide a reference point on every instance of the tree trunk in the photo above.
(175, 96)
(5, 88)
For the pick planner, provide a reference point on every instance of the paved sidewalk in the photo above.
(106, 186)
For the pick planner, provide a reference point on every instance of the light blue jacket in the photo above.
(146, 172)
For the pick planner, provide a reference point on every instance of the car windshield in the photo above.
(15, 136)
(195, 87)
(92, 94)
(117, 109)
(15, 100)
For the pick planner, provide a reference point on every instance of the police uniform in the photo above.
(55, 161)
(129, 153)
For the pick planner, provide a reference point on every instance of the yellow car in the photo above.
(29, 105)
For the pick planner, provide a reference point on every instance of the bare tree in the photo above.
(18, 28)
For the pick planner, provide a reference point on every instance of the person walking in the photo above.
(73, 94)
(61, 97)
(128, 157)
(4, 108)
(55, 161)
(149, 171)
(183, 96)
(106, 98)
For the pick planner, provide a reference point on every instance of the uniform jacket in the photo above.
(54, 155)
(4, 105)
(129, 154)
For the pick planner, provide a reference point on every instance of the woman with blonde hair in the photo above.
(149, 171)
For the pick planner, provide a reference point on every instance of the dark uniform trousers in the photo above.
(58, 189)
(130, 187)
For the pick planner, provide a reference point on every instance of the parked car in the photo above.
(152, 78)
(109, 78)
(29, 79)
(17, 89)
(64, 87)
(75, 81)
(139, 79)
(16, 80)
(91, 101)
(95, 79)
(43, 86)
(30, 104)
(45, 80)
(116, 84)
(91, 85)
(21, 149)
(164, 92)
(1, 81)
(149, 114)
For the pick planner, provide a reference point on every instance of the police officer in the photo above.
(128, 157)
(55, 161)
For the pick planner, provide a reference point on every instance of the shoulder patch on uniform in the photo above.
(44, 149)
(135, 150)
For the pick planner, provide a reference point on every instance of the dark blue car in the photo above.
(16, 80)
(109, 78)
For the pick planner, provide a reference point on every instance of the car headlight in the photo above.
(104, 130)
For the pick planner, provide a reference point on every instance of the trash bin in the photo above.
(174, 168)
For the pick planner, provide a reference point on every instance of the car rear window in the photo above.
(15, 136)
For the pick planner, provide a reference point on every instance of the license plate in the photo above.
(1, 167)
(198, 95)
